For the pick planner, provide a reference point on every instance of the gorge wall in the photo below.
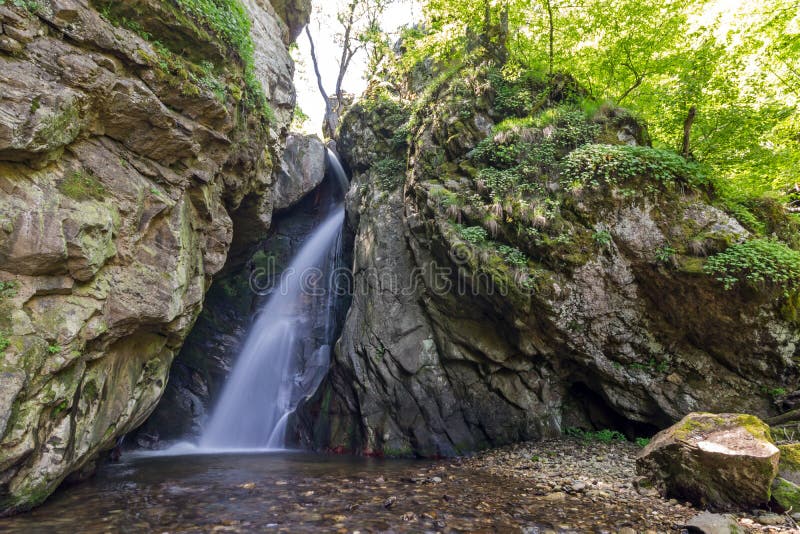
(523, 266)
(138, 142)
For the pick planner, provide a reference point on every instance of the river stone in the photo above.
(709, 523)
(725, 461)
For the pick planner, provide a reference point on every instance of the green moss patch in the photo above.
(81, 185)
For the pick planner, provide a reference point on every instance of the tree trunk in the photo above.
(549, 7)
(347, 52)
(327, 126)
(687, 132)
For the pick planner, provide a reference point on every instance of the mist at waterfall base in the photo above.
(288, 348)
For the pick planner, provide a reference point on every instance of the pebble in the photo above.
(771, 519)
(556, 496)
(578, 486)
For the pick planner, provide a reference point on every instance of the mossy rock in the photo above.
(786, 494)
(721, 461)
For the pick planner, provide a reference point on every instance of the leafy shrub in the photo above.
(643, 442)
(496, 154)
(4, 342)
(571, 129)
(512, 95)
(389, 173)
(757, 262)
(513, 255)
(594, 164)
(602, 238)
(500, 182)
(602, 436)
(472, 234)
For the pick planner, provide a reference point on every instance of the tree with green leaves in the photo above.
(715, 82)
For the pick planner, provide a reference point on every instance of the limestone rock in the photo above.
(508, 319)
(295, 13)
(725, 461)
(121, 182)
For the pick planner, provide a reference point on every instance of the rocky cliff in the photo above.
(525, 263)
(137, 139)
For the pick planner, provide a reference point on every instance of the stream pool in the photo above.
(280, 492)
(526, 488)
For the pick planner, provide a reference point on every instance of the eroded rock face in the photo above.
(725, 461)
(302, 170)
(481, 321)
(120, 179)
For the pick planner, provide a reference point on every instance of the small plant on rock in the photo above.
(472, 234)
(665, 254)
(389, 173)
(757, 262)
(602, 238)
(81, 185)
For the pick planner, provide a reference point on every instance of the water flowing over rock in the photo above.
(283, 359)
(725, 461)
(124, 169)
(205, 361)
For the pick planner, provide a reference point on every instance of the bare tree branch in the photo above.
(319, 77)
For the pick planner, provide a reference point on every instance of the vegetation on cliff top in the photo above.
(552, 87)
(228, 21)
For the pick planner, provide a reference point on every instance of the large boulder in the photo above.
(302, 170)
(723, 461)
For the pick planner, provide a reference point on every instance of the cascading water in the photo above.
(287, 351)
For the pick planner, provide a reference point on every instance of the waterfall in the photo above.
(287, 351)
(338, 171)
